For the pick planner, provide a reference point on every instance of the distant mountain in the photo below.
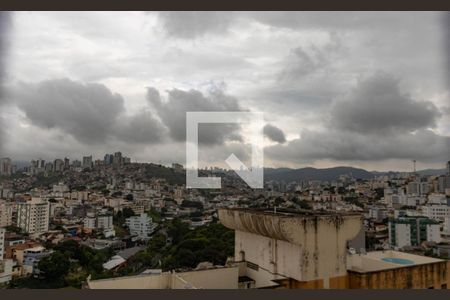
(426, 172)
(329, 174)
(430, 172)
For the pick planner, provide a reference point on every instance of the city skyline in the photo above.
(341, 91)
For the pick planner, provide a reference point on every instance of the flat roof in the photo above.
(376, 261)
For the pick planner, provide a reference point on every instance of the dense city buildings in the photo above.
(116, 219)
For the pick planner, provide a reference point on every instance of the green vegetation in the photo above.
(169, 174)
(12, 228)
(122, 215)
(68, 265)
(156, 216)
(189, 203)
(71, 263)
(213, 243)
(303, 204)
(48, 180)
(353, 200)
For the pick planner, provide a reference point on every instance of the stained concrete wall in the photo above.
(299, 246)
(434, 275)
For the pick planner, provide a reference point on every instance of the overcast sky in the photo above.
(367, 90)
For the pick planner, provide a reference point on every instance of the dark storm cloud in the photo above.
(376, 122)
(424, 145)
(274, 133)
(90, 112)
(173, 113)
(140, 128)
(86, 111)
(304, 61)
(191, 24)
(378, 105)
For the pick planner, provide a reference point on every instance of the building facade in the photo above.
(33, 215)
(141, 225)
(412, 231)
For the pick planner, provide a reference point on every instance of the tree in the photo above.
(128, 212)
(189, 203)
(55, 266)
(69, 247)
(304, 204)
(15, 229)
(157, 242)
(177, 230)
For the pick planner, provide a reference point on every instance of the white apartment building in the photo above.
(90, 222)
(100, 221)
(434, 233)
(378, 213)
(437, 199)
(5, 213)
(33, 215)
(402, 235)
(412, 231)
(60, 188)
(141, 225)
(437, 212)
(5, 264)
(105, 222)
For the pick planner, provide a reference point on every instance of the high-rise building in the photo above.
(49, 167)
(33, 215)
(87, 162)
(443, 183)
(58, 165)
(117, 160)
(66, 163)
(76, 163)
(5, 166)
(108, 159)
(6, 210)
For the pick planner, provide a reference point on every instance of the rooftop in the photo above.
(292, 213)
(384, 260)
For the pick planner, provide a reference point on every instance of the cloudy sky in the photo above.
(362, 89)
